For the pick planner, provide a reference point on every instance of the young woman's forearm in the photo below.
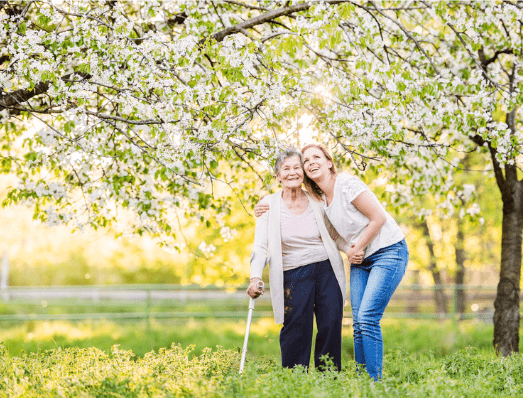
(373, 228)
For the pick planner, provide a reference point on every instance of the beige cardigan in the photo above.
(267, 249)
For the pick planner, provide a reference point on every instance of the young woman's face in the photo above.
(315, 163)
(291, 173)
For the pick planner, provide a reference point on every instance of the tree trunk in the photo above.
(459, 280)
(413, 299)
(506, 313)
(459, 251)
(439, 295)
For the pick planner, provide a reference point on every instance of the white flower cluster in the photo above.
(145, 114)
(227, 233)
(207, 250)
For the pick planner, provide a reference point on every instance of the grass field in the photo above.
(412, 336)
(181, 359)
(174, 372)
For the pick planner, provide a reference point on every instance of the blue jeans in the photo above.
(372, 284)
(311, 290)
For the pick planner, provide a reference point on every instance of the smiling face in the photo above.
(316, 163)
(291, 173)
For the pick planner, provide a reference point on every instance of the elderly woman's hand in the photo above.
(355, 257)
(260, 208)
(254, 290)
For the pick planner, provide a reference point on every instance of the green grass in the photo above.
(413, 336)
(174, 372)
(172, 358)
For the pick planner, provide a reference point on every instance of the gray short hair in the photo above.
(287, 153)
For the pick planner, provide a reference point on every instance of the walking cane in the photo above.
(260, 285)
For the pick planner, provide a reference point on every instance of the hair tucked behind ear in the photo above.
(310, 185)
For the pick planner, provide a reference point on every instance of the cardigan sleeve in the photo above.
(260, 247)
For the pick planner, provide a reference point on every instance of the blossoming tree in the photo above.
(114, 108)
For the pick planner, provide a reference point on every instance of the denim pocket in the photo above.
(392, 257)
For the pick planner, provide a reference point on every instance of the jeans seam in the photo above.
(401, 258)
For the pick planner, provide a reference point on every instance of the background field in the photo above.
(412, 336)
(181, 359)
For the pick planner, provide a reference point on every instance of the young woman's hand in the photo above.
(354, 256)
(260, 208)
(254, 290)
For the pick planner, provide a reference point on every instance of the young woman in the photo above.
(307, 277)
(360, 220)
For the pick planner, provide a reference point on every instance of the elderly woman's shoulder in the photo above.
(268, 198)
(315, 199)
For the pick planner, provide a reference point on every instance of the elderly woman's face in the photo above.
(291, 173)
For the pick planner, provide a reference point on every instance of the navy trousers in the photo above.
(311, 290)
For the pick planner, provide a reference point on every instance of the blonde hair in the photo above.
(310, 185)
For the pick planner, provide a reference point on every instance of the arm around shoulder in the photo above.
(341, 244)
(260, 246)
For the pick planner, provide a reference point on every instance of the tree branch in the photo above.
(17, 97)
(8, 100)
(407, 33)
(246, 161)
(484, 71)
(498, 172)
(486, 62)
(149, 155)
(515, 4)
(238, 3)
(178, 19)
(261, 19)
(63, 12)
(129, 121)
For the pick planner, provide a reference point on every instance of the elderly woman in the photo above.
(361, 220)
(306, 270)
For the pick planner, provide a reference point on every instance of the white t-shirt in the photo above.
(301, 242)
(351, 223)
